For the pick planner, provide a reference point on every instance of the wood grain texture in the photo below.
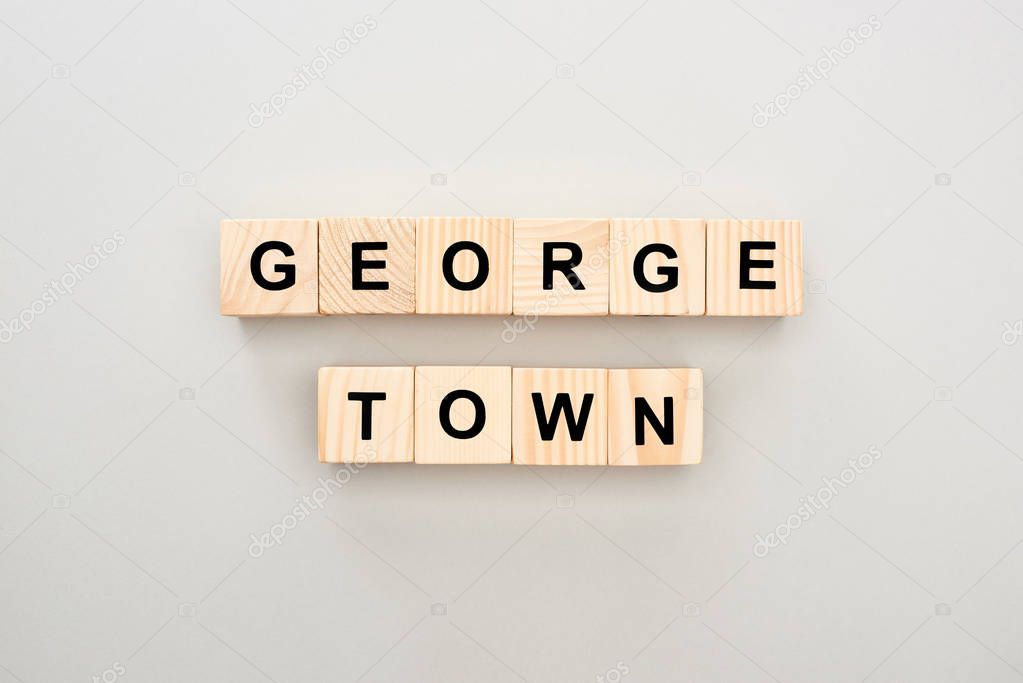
(336, 238)
(528, 447)
(240, 295)
(593, 271)
(685, 388)
(339, 419)
(724, 297)
(688, 238)
(434, 294)
(493, 444)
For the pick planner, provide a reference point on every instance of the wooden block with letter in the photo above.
(561, 266)
(367, 265)
(464, 265)
(268, 267)
(559, 416)
(656, 416)
(463, 415)
(659, 266)
(365, 414)
(754, 267)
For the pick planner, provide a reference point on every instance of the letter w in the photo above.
(562, 404)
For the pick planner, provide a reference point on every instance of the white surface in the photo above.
(126, 513)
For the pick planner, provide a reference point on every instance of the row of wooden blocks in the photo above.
(500, 266)
(501, 415)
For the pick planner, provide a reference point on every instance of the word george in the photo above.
(501, 415)
(500, 266)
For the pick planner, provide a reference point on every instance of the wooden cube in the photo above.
(659, 266)
(365, 414)
(268, 267)
(656, 416)
(367, 265)
(559, 416)
(754, 267)
(464, 265)
(463, 415)
(562, 266)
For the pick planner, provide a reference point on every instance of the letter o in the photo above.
(478, 422)
(448, 266)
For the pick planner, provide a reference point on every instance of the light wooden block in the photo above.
(463, 415)
(440, 255)
(341, 417)
(655, 416)
(659, 266)
(536, 392)
(561, 294)
(268, 267)
(367, 265)
(754, 280)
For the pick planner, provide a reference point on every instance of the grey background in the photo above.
(145, 439)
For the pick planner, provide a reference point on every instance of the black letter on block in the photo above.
(366, 398)
(562, 404)
(477, 423)
(448, 262)
(358, 264)
(670, 273)
(746, 264)
(551, 264)
(286, 269)
(665, 430)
